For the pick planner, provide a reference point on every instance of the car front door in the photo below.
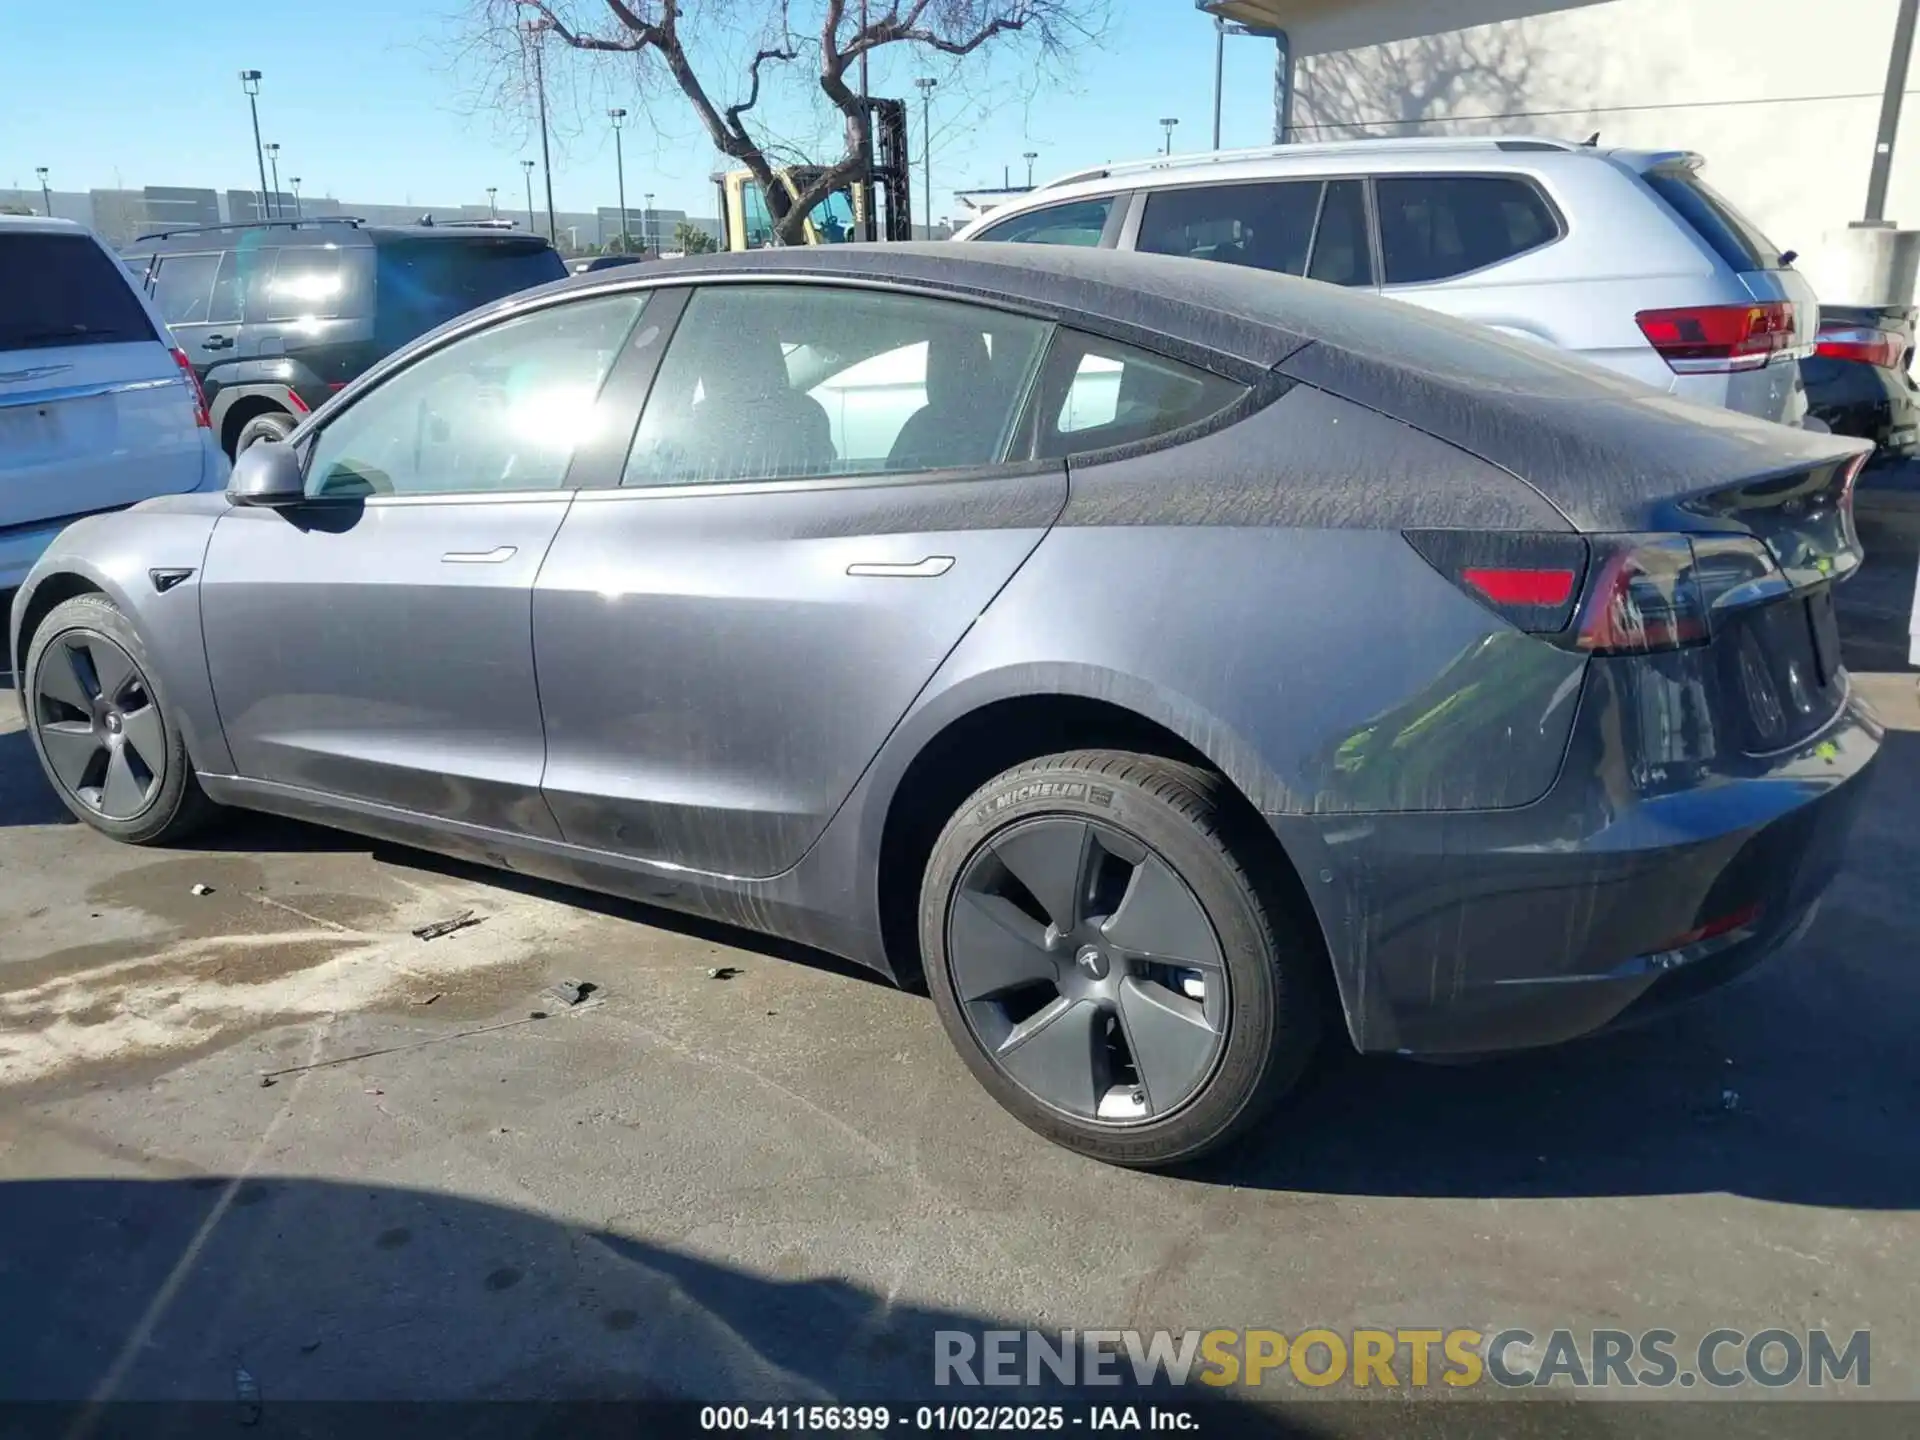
(375, 641)
(817, 505)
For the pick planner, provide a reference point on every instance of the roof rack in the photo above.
(167, 234)
(1322, 147)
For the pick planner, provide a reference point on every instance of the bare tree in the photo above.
(823, 40)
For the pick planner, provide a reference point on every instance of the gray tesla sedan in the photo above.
(1166, 663)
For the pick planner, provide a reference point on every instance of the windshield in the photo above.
(833, 219)
(424, 283)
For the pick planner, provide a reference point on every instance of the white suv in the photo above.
(1626, 258)
(98, 409)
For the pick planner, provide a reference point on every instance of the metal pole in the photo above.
(527, 166)
(648, 237)
(926, 84)
(294, 180)
(1167, 125)
(869, 225)
(537, 30)
(273, 156)
(620, 167)
(493, 209)
(1282, 88)
(1029, 156)
(46, 194)
(250, 81)
(1903, 29)
(1219, 71)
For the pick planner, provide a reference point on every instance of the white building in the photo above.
(1783, 97)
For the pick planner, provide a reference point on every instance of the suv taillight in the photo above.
(1709, 339)
(200, 416)
(1862, 343)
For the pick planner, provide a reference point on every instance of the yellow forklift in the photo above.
(748, 214)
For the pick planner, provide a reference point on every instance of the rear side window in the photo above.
(424, 283)
(1433, 227)
(65, 290)
(306, 282)
(1079, 222)
(1098, 393)
(1264, 226)
(1733, 237)
(183, 287)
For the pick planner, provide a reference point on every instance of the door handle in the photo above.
(919, 570)
(480, 557)
(217, 342)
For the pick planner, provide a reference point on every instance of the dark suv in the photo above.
(276, 316)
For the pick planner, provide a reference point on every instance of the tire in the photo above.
(1144, 818)
(170, 805)
(272, 425)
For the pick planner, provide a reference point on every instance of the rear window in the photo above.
(307, 282)
(1079, 222)
(424, 283)
(65, 290)
(1733, 237)
(1434, 227)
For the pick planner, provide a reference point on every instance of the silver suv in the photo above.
(1624, 257)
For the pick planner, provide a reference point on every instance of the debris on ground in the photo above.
(447, 926)
(722, 972)
(570, 992)
(203, 889)
(375, 1090)
(431, 998)
(267, 1077)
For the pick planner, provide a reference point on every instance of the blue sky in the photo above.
(376, 102)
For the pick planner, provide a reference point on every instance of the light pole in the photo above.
(1219, 72)
(250, 82)
(1167, 123)
(294, 181)
(926, 84)
(1882, 172)
(1029, 156)
(648, 240)
(46, 195)
(619, 118)
(493, 210)
(273, 159)
(527, 165)
(536, 30)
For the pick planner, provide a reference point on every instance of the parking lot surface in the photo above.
(778, 1182)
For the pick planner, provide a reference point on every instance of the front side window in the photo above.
(1264, 226)
(183, 287)
(1079, 222)
(504, 409)
(1433, 227)
(769, 382)
(1099, 393)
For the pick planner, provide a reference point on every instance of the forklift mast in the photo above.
(892, 171)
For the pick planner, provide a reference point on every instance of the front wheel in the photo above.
(104, 738)
(1107, 962)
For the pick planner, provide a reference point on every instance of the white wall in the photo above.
(1759, 87)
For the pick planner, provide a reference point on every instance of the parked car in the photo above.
(97, 409)
(1860, 379)
(278, 316)
(1538, 725)
(1626, 258)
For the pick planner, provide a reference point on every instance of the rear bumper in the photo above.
(1499, 930)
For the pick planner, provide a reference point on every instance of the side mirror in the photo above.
(267, 473)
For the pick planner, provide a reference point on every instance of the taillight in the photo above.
(1700, 339)
(1645, 596)
(200, 416)
(1528, 580)
(1862, 343)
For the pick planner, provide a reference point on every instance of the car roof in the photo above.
(1246, 315)
(44, 224)
(341, 231)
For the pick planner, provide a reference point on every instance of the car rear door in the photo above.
(95, 412)
(817, 505)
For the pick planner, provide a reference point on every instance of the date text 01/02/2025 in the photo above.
(989, 1419)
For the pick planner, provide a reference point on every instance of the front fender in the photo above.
(115, 555)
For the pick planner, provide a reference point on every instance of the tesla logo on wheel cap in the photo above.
(1091, 962)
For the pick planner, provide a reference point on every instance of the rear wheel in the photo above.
(1107, 963)
(98, 725)
(273, 425)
